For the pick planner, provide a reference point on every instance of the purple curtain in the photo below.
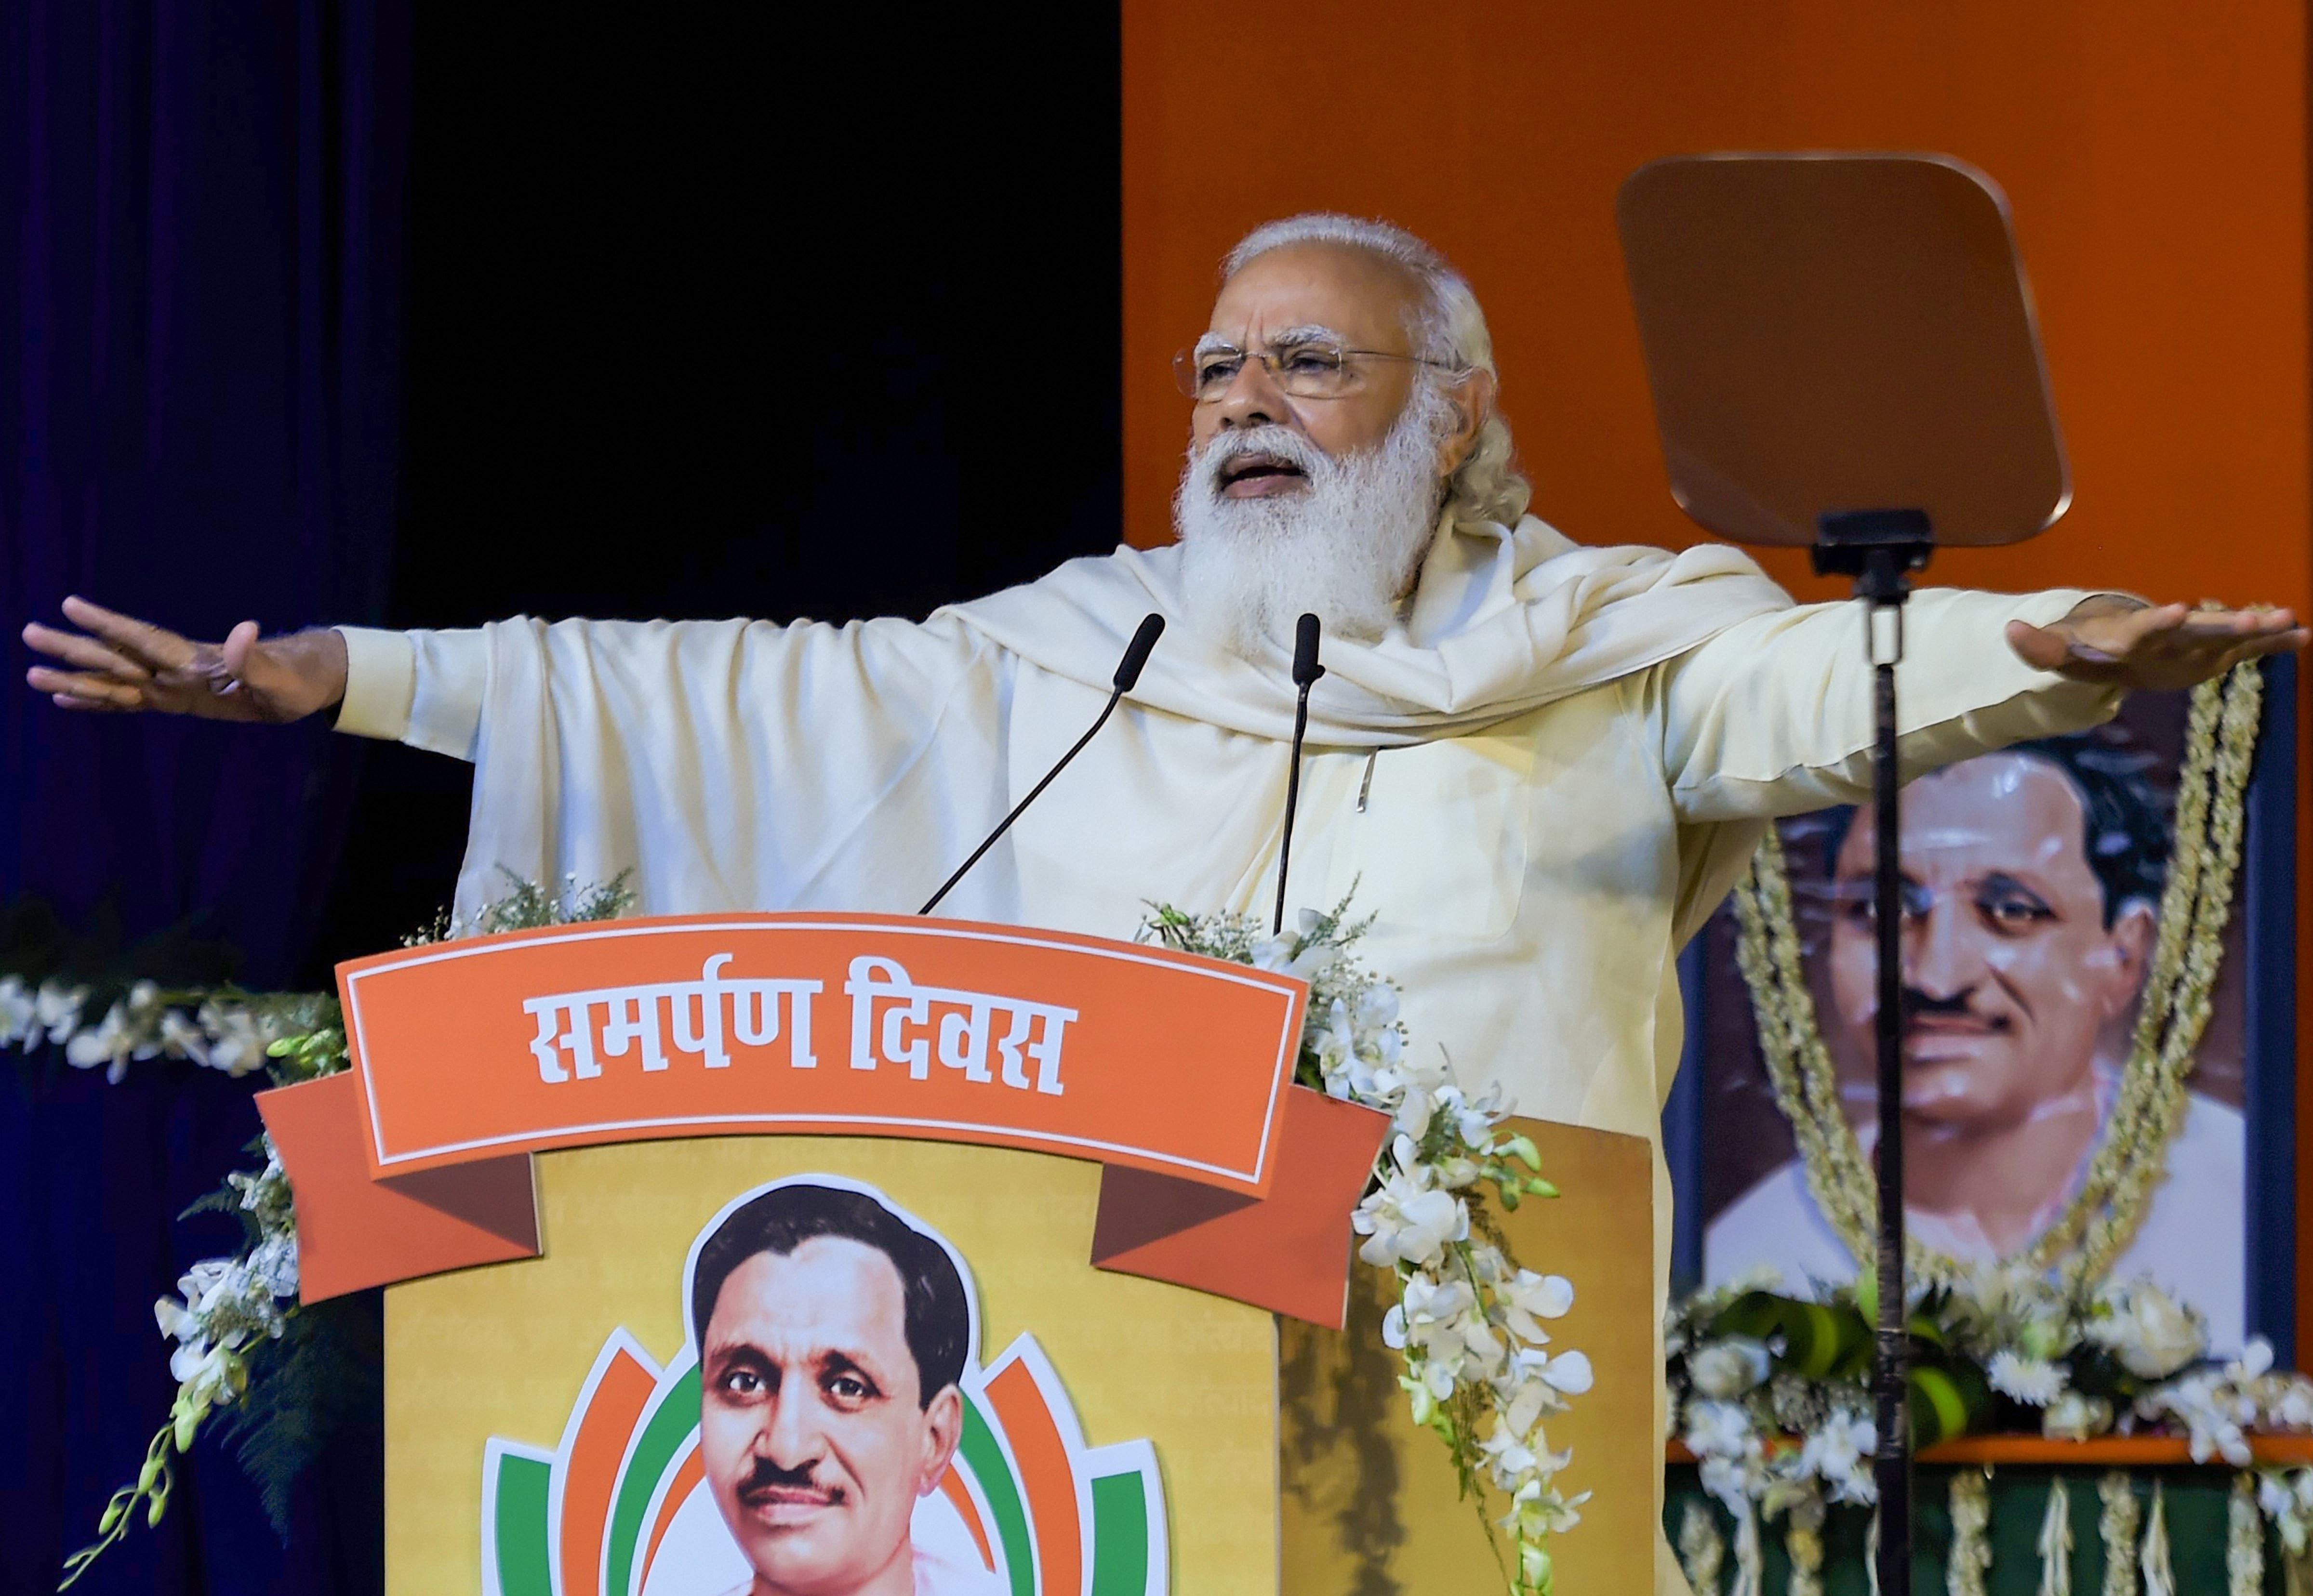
(201, 283)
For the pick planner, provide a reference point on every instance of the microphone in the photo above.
(1306, 672)
(1128, 671)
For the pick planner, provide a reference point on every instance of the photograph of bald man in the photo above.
(831, 1337)
(2032, 877)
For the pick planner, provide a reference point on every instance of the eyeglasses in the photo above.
(1303, 368)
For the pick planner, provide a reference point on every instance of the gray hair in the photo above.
(1446, 327)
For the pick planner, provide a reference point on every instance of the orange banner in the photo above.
(1174, 1070)
(854, 1024)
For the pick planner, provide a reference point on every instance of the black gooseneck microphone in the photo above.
(1128, 671)
(1306, 672)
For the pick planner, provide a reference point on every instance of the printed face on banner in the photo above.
(831, 1339)
(2031, 886)
(828, 1432)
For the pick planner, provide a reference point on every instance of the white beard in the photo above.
(1345, 547)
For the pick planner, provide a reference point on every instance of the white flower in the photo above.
(1719, 1430)
(2033, 1382)
(1527, 1297)
(1570, 1372)
(1535, 1396)
(182, 1039)
(236, 1040)
(176, 1323)
(2073, 1417)
(2151, 1334)
(1405, 1221)
(112, 1044)
(1725, 1369)
(1835, 1454)
(56, 1009)
(19, 1011)
(2212, 1412)
(208, 1378)
(1431, 1315)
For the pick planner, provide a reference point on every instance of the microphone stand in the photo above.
(1306, 672)
(1880, 549)
(1128, 673)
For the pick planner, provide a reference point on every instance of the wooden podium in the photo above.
(1172, 1375)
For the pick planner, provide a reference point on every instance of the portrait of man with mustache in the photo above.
(831, 1337)
(2032, 877)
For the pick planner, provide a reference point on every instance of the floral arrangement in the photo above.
(236, 1320)
(1772, 1395)
(1468, 1323)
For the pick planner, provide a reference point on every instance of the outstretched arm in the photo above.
(121, 665)
(2116, 641)
(1774, 716)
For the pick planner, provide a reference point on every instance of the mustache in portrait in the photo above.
(767, 1477)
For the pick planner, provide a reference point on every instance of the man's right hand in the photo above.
(122, 665)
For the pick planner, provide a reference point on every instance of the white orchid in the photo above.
(1407, 1220)
(1527, 1298)
(237, 1038)
(181, 1037)
(1468, 1320)
(1570, 1372)
(19, 1011)
(56, 1009)
(1431, 1313)
(122, 1035)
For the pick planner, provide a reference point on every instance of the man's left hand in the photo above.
(2126, 643)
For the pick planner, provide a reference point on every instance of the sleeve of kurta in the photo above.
(1774, 716)
(424, 689)
(722, 764)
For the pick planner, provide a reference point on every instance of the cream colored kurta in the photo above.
(1539, 785)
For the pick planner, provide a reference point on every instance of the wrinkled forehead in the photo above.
(2004, 812)
(1366, 301)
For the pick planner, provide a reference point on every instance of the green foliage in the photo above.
(322, 1376)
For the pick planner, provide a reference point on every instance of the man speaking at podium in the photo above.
(1540, 763)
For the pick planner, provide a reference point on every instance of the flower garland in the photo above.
(1701, 1549)
(230, 1311)
(1468, 1322)
(2055, 1543)
(2196, 901)
(1969, 1561)
(2244, 1538)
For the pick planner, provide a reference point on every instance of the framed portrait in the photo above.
(2050, 992)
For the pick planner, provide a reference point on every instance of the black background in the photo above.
(741, 318)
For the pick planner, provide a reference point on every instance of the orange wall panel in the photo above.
(2154, 154)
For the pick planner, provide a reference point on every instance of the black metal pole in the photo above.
(1880, 549)
(1891, 1468)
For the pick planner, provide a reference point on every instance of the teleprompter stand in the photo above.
(1880, 549)
(1825, 331)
